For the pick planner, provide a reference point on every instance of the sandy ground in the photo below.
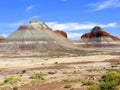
(37, 61)
(64, 68)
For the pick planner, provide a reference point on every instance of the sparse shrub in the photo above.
(76, 72)
(87, 83)
(23, 71)
(72, 89)
(20, 75)
(112, 70)
(73, 72)
(93, 87)
(68, 86)
(51, 72)
(92, 70)
(114, 66)
(73, 80)
(82, 80)
(37, 76)
(56, 63)
(4, 87)
(15, 88)
(37, 81)
(118, 63)
(42, 64)
(10, 80)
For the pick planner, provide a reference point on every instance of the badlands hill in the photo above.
(97, 37)
(36, 36)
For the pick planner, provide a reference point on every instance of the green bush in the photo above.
(56, 63)
(36, 81)
(93, 87)
(23, 71)
(15, 88)
(109, 81)
(72, 89)
(88, 83)
(10, 80)
(68, 86)
(37, 76)
(51, 72)
(74, 80)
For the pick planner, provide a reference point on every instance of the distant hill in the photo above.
(97, 37)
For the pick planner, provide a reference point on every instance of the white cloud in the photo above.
(77, 26)
(105, 4)
(74, 36)
(113, 24)
(29, 8)
(4, 35)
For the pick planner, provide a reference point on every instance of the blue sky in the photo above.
(75, 17)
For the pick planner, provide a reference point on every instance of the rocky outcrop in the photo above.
(2, 38)
(99, 38)
(61, 32)
(99, 34)
(24, 27)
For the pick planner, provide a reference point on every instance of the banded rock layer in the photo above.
(36, 36)
(61, 32)
(99, 38)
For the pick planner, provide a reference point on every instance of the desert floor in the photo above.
(56, 73)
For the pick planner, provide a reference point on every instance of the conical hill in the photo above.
(99, 38)
(36, 36)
